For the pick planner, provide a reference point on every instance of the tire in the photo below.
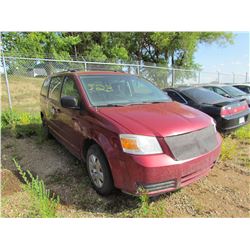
(46, 133)
(99, 171)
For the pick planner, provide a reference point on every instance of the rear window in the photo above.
(45, 87)
(233, 91)
(202, 95)
(55, 87)
(243, 88)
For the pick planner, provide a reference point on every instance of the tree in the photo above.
(39, 45)
(172, 49)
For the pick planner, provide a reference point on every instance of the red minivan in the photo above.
(129, 133)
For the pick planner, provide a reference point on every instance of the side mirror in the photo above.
(227, 95)
(70, 102)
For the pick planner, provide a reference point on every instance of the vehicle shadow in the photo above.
(61, 172)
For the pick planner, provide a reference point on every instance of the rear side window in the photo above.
(176, 97)
(45, 87)
(55, 87)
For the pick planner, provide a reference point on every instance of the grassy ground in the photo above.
(224, 193)
(24, 93)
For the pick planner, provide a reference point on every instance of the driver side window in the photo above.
(69, 89)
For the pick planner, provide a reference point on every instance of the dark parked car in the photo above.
(243, 87)
(130, 134)
(229, 92)
(228, 113)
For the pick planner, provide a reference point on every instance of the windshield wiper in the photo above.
(112, 105)
(129, 104)
(153, 102)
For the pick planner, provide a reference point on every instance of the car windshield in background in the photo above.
(202, 95)
(119, 90)
(233, 91)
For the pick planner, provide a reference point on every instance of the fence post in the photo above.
(166, 79)
(246, 76)
(5, 73)
(199, 77)
(138, 68)
(233, 77)
(218, 77)
(85, 66)
(173, 76)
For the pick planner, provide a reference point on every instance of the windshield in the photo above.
(233, 91)
(119, 90)
(202, 95)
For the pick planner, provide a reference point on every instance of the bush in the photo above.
(21, 124)
(9, 119)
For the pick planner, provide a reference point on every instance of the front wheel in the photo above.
(99, 171)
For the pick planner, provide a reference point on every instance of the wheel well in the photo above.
(86, 145)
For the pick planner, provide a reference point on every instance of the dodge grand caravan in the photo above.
(129, 133)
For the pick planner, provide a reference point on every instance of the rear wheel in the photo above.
(99, 171)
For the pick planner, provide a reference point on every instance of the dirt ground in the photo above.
(223, 193)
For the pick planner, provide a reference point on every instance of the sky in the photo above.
(229, 58)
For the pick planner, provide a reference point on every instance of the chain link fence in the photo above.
(24, 76)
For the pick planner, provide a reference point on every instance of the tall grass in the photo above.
(44, 202)
(21, 124)
(228, 149)
(232, 143)
(243, 133)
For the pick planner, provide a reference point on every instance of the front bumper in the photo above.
(157, 174)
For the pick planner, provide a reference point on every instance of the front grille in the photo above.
(160, 186)
(193, 144)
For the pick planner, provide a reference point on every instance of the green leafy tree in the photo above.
(40, 45)
(172, 49)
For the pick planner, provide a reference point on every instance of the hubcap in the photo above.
(95, 170)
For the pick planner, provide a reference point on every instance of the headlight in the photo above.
(140, 145)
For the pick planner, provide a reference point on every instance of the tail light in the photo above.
(232, 109)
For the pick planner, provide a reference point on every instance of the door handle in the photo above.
(55, 110)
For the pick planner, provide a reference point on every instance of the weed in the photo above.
(22, 124)
(243, 133)
(9, 119)
(144, 201)
(43, 201)
(228, 149)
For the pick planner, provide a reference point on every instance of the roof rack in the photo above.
(75, 70)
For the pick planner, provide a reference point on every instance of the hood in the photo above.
(161, 119)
